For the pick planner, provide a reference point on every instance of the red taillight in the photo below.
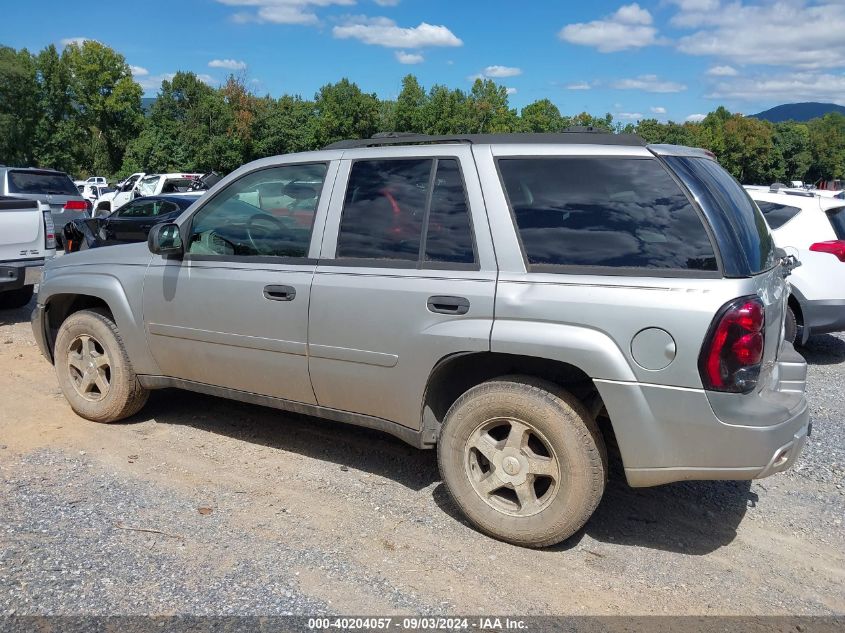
(76, 205)
(731, 357)
(834, 247)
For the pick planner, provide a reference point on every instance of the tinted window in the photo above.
(616, 212)
(837, 219)
(744, 237)
(264, 213)
(41, 182)
(384, 209)
(777, 214)
(449, 234)
(137, 209)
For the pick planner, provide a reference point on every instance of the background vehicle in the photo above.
(814, 226)
(130, 223)
(145, 185)
(55, 188)
(27, 239)
(520, 301)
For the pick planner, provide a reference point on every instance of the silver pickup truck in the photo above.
(27, 240)
(521, 302)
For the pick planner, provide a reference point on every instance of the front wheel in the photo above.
(790, 328)
(523, 460)
(93, 369)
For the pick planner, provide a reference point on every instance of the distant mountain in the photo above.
(798, 112)
(147, 103)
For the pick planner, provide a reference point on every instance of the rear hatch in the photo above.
(54, 188)
(21, 230)
(744, 241)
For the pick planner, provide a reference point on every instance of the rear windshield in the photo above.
(777, 214)
(837, 219)
(745, 241)
(608, 212)
(44, 182)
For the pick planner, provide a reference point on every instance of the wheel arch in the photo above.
(455, 374)
(103, 292)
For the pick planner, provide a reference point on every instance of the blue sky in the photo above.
(668, 59)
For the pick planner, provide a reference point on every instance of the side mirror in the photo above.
(165, 239)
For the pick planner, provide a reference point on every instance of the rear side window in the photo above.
(745, 241)
(614, 212)
(393, 207)
(777, 214)
(837, 219)
(43, 182)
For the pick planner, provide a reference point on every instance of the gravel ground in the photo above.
(207, 507)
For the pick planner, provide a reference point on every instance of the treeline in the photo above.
(80, 111)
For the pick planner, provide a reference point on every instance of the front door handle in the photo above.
(448, 305)
(279, 293)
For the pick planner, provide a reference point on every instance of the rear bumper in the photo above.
(668, 434)
(825, 316)
(17, 274)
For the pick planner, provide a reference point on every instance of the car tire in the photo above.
(523, 460)
(14, 299)
(790, 328)
(94, 370)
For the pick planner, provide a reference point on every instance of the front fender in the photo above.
(122, 294)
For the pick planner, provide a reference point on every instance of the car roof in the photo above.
(180, 199)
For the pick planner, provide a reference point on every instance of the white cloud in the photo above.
(648, 83)
(138, 71)
(511, 91)
(629, 116)
(722, 71)
(501, 71)
(208, 79)
(385, 32)
(228, 64)
(579, 85)
(696, 118)
(281, 11)
(386, 3)
(793, 33)
(151, 83)
(658, 110)
(630, 27)
(78, 41)
(409, 58)
(790, 87)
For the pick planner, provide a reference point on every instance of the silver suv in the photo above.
(521, 302)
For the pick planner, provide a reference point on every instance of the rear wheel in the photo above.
(523, 460)
(18, 298)
(93, 369)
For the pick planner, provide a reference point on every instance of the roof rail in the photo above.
(572, 136)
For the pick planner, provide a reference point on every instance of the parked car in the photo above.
(130, 223)
(27, 240)
(521, 302)
(93, 180)
(145, 185)
(92, 193)
(54, 188)
(813, 225)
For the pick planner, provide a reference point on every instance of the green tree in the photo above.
(345, 112)
(827, 147)
(792, 142)
(18, 106)
(283, 126)
(542, 116)
(488, 110)
(59, 133)
(445, 111)
(108, 102)
(410, 107)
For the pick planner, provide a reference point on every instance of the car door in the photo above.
(233, 312)
(406, 277)
(131, 222)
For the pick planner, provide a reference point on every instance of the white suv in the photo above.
(814, 225)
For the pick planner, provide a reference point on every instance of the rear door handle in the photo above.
(279, 293)
(448, 305)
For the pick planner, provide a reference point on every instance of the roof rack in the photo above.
(571, 136)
